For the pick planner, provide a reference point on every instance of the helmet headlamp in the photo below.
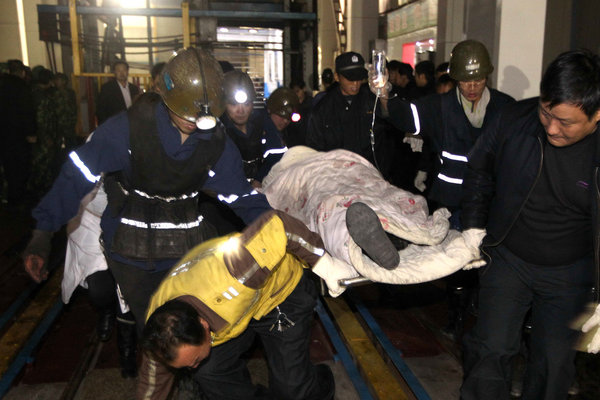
(240, 96)
(205, 119)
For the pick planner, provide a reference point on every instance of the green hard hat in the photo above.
(191, 80)
(238, 88)
(283, 102)
(470, 61)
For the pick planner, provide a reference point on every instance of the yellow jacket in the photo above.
(203, 274)
(231, 280)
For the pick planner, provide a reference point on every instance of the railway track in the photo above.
(374, 366)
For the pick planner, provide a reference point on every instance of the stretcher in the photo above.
(318, 187)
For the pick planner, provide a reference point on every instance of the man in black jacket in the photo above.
(116, 95)
(342, 119)
(531, 183)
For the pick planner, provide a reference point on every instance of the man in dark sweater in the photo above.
(531, 183)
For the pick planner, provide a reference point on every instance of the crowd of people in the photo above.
(39, 114)
(192, 261)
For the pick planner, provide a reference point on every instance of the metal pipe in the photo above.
(177, 12)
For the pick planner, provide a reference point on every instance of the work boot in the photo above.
(127, 343)
(366, 230)
(106, 322)
(457, 299)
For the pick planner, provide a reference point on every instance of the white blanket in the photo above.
(84, 254)
(317, 188)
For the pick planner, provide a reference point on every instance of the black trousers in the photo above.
(508, 288)
(137, 287)
(224, 376)
(102, 290)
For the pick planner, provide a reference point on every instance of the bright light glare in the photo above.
(231, 245)
(241, 97)
(295, 117)
(206, 122)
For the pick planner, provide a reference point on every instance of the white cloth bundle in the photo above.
(318, 187)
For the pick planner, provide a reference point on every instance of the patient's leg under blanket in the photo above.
(319, 187)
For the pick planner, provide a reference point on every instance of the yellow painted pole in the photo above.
(185, 16)
(193, 31)
(74, 37)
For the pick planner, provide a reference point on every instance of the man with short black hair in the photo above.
(402, 79)
(342, 118)
(225, 293)
(116, 95)
(424, 78)
(531, 184)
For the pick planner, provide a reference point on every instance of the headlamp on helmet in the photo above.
(283, 102)
(238, 88)
(191, 87)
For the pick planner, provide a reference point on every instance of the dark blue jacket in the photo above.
(108, 151)
(261, 147)
(448, 133)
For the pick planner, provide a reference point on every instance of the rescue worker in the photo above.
(296, 131)
(243, 124)
(342, 119)
(160, 154)
(282, 109)
(257, 134)
(531, 194)
(225, 292)
(449, 125)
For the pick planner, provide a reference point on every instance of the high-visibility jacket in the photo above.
(230, 281)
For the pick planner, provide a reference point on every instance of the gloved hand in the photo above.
(331, 270)
(473, 238)
(420, 181)
(415, 142)
(593, 322)
(379, 85)
(36, 254)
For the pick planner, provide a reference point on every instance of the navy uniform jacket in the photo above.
(108, 151)
(261, 147)
(442, 122)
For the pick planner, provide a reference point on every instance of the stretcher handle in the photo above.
(359, 280)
